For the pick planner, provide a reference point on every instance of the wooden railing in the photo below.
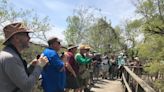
(133, 83)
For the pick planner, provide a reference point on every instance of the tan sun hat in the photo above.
(12, 29)
(82, 46)
(87, 47)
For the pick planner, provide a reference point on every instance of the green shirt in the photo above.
(82, 59)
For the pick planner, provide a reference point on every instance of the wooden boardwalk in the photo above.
(103, 85)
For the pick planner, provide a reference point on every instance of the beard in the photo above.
(24, 45)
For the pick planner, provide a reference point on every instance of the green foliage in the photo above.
(103, 37)
(152, 51)
(72, 33)
(32, 52)
(159, 84)
(79, 24)
(85, 28)
(146, 8)
(134, 24)
(132, 52)
(8, 14)
(152, 12)
(129, 32)
(152, 48)
(156, 67)
(154, 26)
(1, 46)
(153, 68)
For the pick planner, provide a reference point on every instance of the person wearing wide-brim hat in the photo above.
(71, 46)
(15, 76)
(72, 69)
(83, 61)
(84, 49)
(88, 53)
(12, 29)
(87, 47)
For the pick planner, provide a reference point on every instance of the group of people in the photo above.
(59, 73)
(66, 71)
(111, 66)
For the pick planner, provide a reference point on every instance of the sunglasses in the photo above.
(58, 43)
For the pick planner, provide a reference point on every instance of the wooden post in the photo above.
(139, 81)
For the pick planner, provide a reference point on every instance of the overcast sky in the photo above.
(59, 10)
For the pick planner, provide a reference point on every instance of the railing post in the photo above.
(138, 84)
(140, 89)
(136, 88)
(125, 77)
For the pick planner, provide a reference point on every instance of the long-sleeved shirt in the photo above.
(13, 74)
(72, 61)
(53, 73)
(120, 62)
(82, 59)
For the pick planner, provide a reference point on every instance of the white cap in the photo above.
(136, 58)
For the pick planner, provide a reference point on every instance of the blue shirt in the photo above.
(120, 61)
(53, 78)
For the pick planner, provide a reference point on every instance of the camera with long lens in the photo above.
(97, 56)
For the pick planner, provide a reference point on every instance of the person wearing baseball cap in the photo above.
(53, 74)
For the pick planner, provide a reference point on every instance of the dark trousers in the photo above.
(119, 72)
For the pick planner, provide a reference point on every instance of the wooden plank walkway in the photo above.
(103, 85)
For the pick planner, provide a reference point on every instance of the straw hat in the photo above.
(87, 47)
(82, 46)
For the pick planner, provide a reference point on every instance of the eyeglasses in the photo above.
(23, 34)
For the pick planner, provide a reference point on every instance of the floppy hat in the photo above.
(13, 29)
(71, 46)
